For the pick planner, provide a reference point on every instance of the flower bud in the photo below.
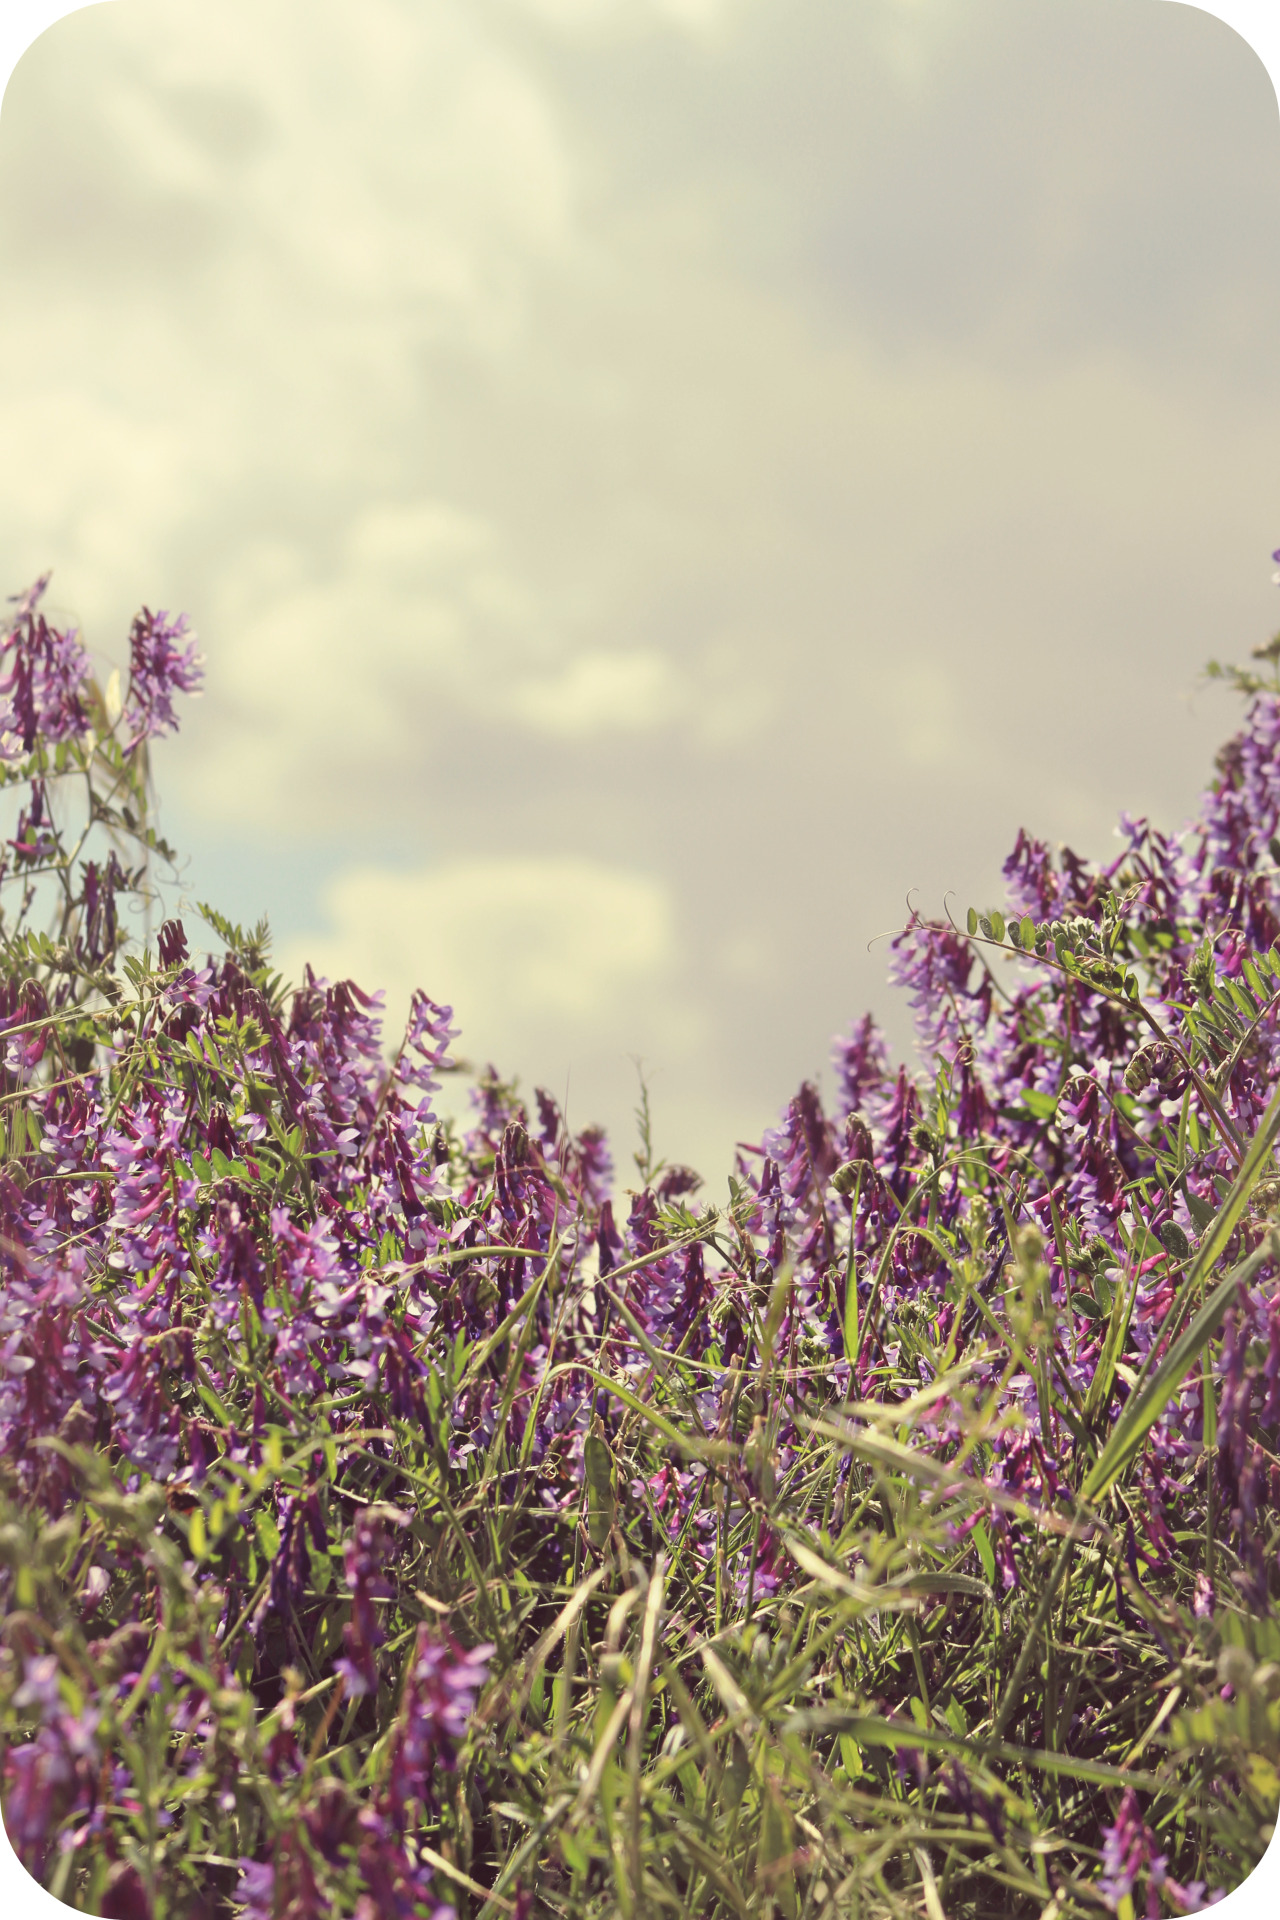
(1140, 1069)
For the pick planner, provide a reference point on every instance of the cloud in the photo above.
(514, 944)
(567, 972)
(694, 17)
(601, 692)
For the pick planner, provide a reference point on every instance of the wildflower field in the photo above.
(400, 1519)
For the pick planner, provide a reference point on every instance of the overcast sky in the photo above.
(657, 482)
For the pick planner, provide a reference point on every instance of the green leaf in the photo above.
(197, 1539)
(849, 1329)
(947, 1583)
(982, 1541)
(777, 1845)
(1098, 1398)
(1027, 930)
(268, 1534)
(213, 1403)
(997, 924)
(598, 1464)
(971, 920)
(1255, 980)
(576, 1857)
(1041, 1106)
(1200, 1210)
(1244, 1000)
(773, 1319)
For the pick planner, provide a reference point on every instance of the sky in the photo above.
(662, 486)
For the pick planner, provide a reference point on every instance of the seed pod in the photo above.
(1265, 1195)
(1140, 1069)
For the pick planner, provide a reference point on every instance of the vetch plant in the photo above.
(408, 1519)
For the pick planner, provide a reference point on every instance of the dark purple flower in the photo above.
(42, 677)
(54, 1774)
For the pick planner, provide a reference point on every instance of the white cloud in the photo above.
(408, 538)
(601, 693)
(595, 16)
(514, 944)
(563, 970)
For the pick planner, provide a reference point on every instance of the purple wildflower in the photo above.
(42, 677)
(439, 1698)
(162, 661)
(1128, 1855)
